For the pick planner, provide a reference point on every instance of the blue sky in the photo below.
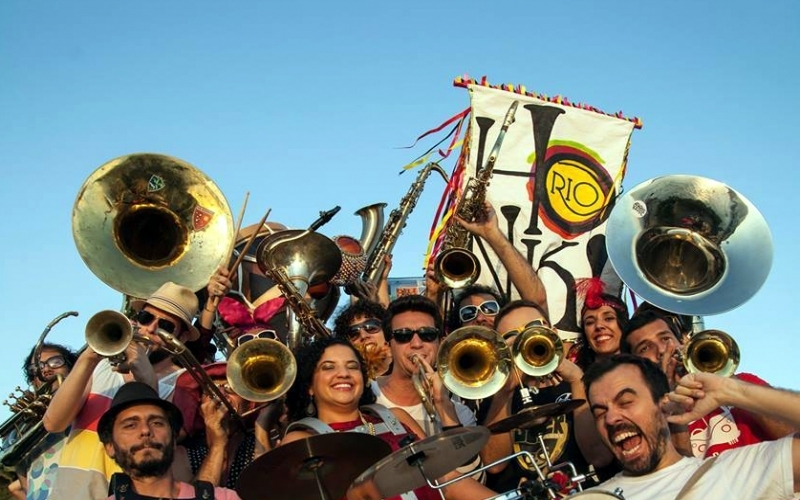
(305, 105)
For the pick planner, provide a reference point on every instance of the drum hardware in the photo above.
(599, 495)
(421, 462)
(321, 466)
(535, 416)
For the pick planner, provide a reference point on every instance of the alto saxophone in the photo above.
(456, 266)
(397, 221)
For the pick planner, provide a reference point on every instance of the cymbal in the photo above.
(292, 470)
(535, 415)
(436, 455)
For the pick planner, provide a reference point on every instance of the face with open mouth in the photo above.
(601, 329)
(630, 423)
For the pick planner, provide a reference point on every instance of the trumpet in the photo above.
(710, 351)
(538, 350)
(474, 362)
(261, 370)
(423, 389)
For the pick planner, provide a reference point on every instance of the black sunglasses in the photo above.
(426, 334)
(263, 334)
(145, 318)
(470, 312)
(370, 326)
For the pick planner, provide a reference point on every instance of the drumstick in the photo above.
(238, 224)
(253, 236)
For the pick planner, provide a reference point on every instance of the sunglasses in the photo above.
(520, 329)
(369, 326)
(263, 334)
(470, 312)
(53, 362)
(145, 318)
(426, 334)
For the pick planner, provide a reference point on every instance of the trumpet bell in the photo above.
(457, 267)
(109, 333)
(261, 370)
(144, 219)
(309, 259)
(689, 245)
(474, 362)
(537, 351)
(712, 351)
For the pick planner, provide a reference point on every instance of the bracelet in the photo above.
(449, 427)
(213, 311)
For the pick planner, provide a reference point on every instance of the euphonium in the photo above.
(396, 223)
(538, 350)
(455, 266)
(261, 370)
(474, 362)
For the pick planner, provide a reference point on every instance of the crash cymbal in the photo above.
(535, 415)
(436, 455)
(321, 466)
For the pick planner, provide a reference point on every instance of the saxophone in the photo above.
(395, 224)
(455, 266)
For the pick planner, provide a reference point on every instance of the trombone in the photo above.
(109, 333)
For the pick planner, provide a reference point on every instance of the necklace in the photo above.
(369, 425)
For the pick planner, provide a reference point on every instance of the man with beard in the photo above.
(138, 431)
(629, 398)
(86, 394)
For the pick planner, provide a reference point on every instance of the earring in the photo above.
(311, 410)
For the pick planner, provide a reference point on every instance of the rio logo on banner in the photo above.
(557, 173)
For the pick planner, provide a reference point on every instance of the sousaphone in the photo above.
(143, 219)
(689, 245)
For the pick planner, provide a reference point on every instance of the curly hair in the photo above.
(366, 308)
(298, 398)
(411, 303)
(453, 318)
(29, 370)
(655, 379)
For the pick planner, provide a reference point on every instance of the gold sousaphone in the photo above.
(141, 220)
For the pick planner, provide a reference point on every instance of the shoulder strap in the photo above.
(203, 490)
(707, 463)
(119, 486)
(392, 424)
(310, 423)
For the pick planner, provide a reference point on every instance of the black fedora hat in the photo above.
(133, 394)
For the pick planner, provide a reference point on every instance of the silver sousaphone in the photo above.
(689, 244)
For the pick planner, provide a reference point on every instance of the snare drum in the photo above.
(596, 495)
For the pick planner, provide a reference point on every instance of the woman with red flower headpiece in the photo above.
(603, 319)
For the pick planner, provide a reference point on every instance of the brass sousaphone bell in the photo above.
(144, 219)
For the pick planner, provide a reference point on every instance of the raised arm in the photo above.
(70, 397)
(522, 274)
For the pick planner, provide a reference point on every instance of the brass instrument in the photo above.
(474, 362)
(109, 333)
(397, 221)
(694, 246)
(23, 431)
(371, 225)
(455, 266)
(423, 389)
(296, 260)
(261, 370)
(144, 219)
(537, 351)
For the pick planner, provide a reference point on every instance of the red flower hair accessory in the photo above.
(594, 297)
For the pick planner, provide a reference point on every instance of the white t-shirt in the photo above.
(753, 472)
(417, 411)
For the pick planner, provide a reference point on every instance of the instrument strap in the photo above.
(389, 423)
(707, 463)
(121, 488)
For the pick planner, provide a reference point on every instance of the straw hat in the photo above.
(174, 299)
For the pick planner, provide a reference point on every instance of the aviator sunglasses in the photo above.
(470, 312)
(426, 334)
(145, 318)
(52, 362)
(369, 326)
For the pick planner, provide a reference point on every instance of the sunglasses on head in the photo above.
(263, 334)
(146, 318)
(53, 362)
(426, 334)
(369, 326)
(470, 312)
(520, 329)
